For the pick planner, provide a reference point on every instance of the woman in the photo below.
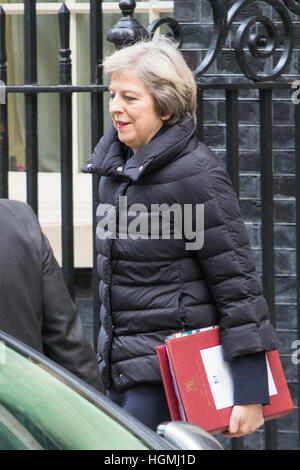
(153, 287)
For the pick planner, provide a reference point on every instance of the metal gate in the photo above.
(259, 45)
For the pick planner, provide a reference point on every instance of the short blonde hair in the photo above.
(164, 72)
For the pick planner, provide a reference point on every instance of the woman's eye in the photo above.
(111, 96)
(129, 98)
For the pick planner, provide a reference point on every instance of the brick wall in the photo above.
(196, 20)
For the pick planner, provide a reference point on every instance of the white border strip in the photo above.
(107, 7)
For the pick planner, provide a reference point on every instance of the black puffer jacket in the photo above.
(151, 288)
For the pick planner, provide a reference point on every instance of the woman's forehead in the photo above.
(126, 80)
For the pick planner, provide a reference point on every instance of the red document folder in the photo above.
(196, 384)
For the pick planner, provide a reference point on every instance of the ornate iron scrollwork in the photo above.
(259, 45)
(176, 34)
(218, 37)
(293, 5)
(128, 30)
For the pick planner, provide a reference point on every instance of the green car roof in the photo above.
(45, 412)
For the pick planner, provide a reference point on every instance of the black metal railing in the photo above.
(127, 30)
(65, 89)
(231, 94)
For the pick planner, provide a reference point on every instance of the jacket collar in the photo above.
(108, 157)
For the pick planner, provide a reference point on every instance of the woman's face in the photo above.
(132, 110)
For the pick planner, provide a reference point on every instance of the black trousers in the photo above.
(147, 403)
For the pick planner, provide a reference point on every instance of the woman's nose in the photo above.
(115, 105)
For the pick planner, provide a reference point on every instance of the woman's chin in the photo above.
(123, 139)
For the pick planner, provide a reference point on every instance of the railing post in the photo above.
(65, 78)
(96, 32)
(3, 111)
(297, 161)
(232, 162)
(267, 224)
(30, 78)
(127, 30)
(200, 113)
(232, 137)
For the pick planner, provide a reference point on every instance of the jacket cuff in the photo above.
(250, 379)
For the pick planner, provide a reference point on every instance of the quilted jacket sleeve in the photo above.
(229, 268)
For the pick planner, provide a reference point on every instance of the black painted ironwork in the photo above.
(293, 5)
(65, 89)
(3, 112)
(232, 162)
(218, 36)
(199, 114)
(31, 111)
(66, 162)
(97, 132)
(127, 30)
(232, 137)
(267, 224)
(259, 45)
(297, 195)
(257, 41)
(176, 31)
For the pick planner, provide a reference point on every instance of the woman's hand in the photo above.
(244, 419)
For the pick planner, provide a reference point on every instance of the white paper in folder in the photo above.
(219, 377)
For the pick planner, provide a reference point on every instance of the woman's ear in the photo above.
(165, 118)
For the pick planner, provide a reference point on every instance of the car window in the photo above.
(39, 411)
